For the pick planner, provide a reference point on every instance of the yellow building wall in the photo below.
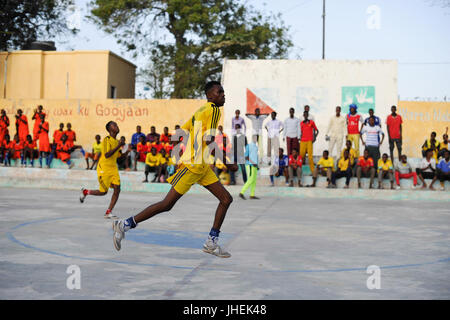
(36, 74)
(89, 117)
(419, 120)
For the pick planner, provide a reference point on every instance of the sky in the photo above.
(416, 33)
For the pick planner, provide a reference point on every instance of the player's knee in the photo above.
(227, 199)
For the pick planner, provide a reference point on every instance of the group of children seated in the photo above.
(435, 166)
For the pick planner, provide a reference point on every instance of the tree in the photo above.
(186, 41)
(24, 21)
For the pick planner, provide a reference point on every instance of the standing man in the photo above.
(71, 135)
(353, 121)
(37, 121)
(337, 127)
(371, 114)
(251, 166)
(309, 134)
(4, 124)
(274, 128)
(310, 115)
(291, 132)
(107, 170)
(21, 125)
(257, 120)
(44, 142)
(239, 144)
(193, 169)
(372, 142)
(394, 128)
(240, 121)
(135, 139)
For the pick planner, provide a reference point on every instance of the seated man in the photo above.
(443, 169)
(123, 162)
(142, 150)
(163, 163)
(351, 155)
(427, 169)
(95, 154)
(295, 168)
(30, 150)
(165, 136)
(64, 149)
(17, 150)
(324, 167)
(280, 167)
(403, 170)
(151, 164)
(7, 150)
(365, 168)
(385, 168)
(344, 169)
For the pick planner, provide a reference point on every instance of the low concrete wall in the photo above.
(15, 177)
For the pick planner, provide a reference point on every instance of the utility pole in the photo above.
(323, 31)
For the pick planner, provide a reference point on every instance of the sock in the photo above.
(214, 233)
(271, 179)
(108, 211)
(129, 224)
(85, 192)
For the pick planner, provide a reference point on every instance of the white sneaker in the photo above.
(82, 196)
(118, 233)
(397, 187)
(71, 165)
(109, 216)
(413, 187)
(213, 248)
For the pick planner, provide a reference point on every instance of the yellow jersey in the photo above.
(385, 166)
(97, 147)
(202, 124)
(351, 155)
(108, 164)
(343, 164)
(326, 163)
(152, 160)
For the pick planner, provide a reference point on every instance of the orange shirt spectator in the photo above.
(37, 121)
(4, 124)
(142, 150)
(17, 148)
(71, 135)
(22, 125)
(44, 143)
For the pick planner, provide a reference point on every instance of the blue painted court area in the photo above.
(282, 248)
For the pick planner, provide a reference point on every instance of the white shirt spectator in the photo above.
(403, 168)
(274, 126)
(372, 135)
(337, 127)
(291, 127)
(424, 164)
(257, 122)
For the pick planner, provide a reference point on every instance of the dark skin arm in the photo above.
(111, 152)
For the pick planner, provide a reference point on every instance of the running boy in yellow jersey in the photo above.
(193, 169)
(107, 170)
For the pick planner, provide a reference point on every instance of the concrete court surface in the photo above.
(282, 248)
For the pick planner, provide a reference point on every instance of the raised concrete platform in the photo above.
(132, 182)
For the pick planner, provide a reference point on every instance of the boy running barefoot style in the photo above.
(107, 169)
(193, 169)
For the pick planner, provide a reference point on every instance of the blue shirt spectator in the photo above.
(251, 151)
(135, 137)
(444, 166)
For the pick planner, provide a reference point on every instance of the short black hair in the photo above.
(210, 85)
(108, 125)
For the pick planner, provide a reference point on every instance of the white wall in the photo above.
(283, 84)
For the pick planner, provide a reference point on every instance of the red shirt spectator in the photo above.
(298, 162)
(17, 148)
(165, 138)
(394, 124)
(308, 130)
(353, 123)
(71, 135)
(363, 163)
(142, 149)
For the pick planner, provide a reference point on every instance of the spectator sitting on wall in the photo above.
(141, 149)
(30, 150)
(351, 154)
(324, 167)
(151, 137)
(427, 169)
(165, 136)
(443, 169)
(365, 168)
(63, 150)
(6, 150)
(280, 167)
(385, 168)
(344, 169)
(295, 168)
(95, 154)
(403, 170)
(432, 144)
(17, 151)
(151, 164)
(163, 161)
(135, 139)
(123, 162)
